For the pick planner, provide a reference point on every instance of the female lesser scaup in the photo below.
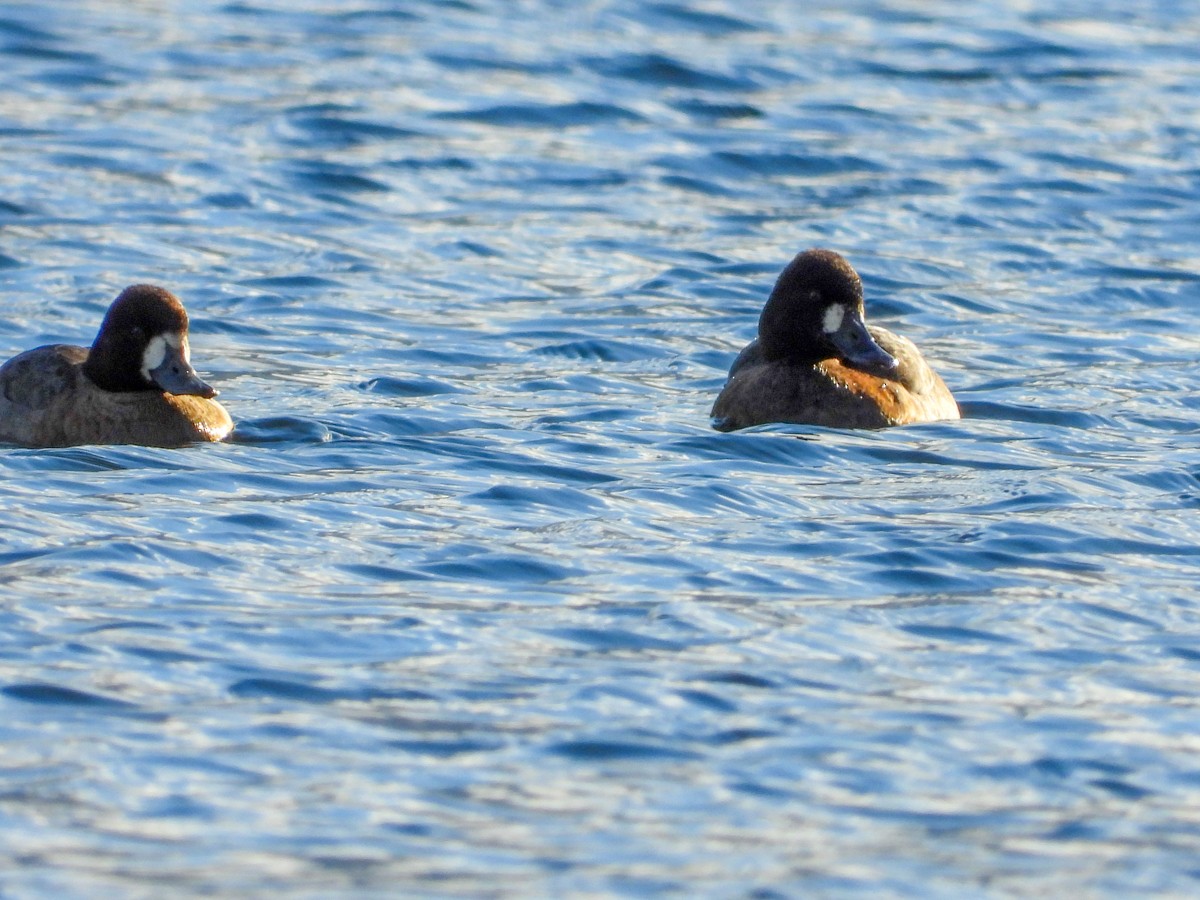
(816, 362)
(135, 386)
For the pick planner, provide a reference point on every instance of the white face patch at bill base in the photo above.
(156, 351)
(833, 318)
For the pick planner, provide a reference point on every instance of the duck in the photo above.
(134, 385)
(815, 361)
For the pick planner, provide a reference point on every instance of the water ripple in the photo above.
(543, 115)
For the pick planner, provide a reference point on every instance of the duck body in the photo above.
(135, 385)
(816, 361)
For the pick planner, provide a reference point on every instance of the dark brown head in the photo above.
(815, 312)
(143, 346)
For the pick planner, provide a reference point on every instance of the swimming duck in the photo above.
(816, 362)
(135, 385)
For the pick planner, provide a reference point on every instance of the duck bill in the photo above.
(856, 346)
(175, 375)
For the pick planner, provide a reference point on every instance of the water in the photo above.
(477, 602)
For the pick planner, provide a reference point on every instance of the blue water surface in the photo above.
(476, 602)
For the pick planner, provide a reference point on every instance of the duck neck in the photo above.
(100, 369)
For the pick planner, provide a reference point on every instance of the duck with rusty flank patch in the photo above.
(816, 361)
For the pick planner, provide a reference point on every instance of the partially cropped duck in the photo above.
(816, 362)
(136, 384)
